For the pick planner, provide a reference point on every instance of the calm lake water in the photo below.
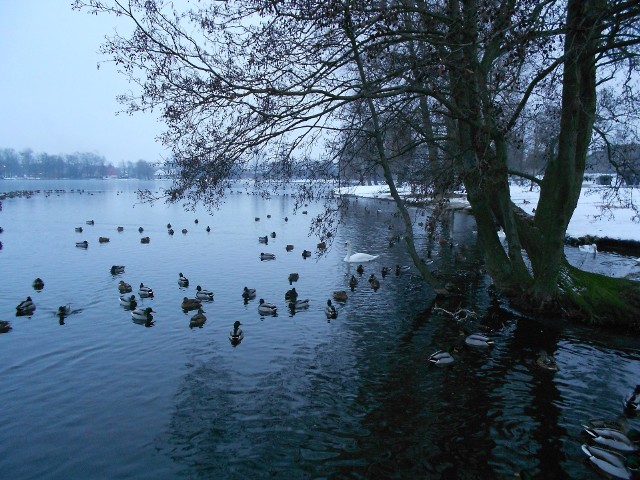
(103, 397)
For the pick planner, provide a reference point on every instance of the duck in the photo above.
(547, 361)
(441, 358)
(267, 256)
(401, 269)
(306, 253)
(293, 277)
(103, 240)
(145, 240)
(614, 438)
(291, 294)
(63, 311)
(360, 269)
(321, 245)
(264, 239)
(198, 320)
(184, 230)
(273, 234)
(5, 326)
(330, 311)
(124, 287)
(120, 229)
(288, 248)
(611, 464)
(38, 284)
(353, 282)
(117, 269)
(236, 334)
(267, 308)
(384, 271)
(182, 280)
(170, 231)
(90, 222)
(208, 229)
(168, 225)
(357, 257)
(374, 282)
(145, 292)
(477, 340)
(128, 302)
(25, 307)
(143, 315)
(203, 294)
(248, 293)
(79, 229)
(632, 400)
(140, 229)
(299, 305)
(190, 303)
(83, 244)
(340, 295)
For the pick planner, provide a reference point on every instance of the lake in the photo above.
(101, 396)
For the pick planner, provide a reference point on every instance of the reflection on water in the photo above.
(300, 396)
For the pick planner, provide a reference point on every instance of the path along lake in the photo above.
(301, 397)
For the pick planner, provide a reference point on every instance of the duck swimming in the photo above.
(38, 284)
(546, 361)
(613, 438)
(145, 292)
(267, 308)
(374, 282)
(128, 302)
(84, 244)
(203, 294)
(116, 269)
(330, 311)
(25, 307)
(306, 253)
(340, 295)
(611, 464)
(357, 257)
(124, 287)
(145, 316)
(441, 358)
(236, 334)
(248, 293)
(198, 320)
(291, 294)
(267, 256)
(190, 304)
(293, 277)
(353, 282)
(478, 340)
(183, 281)
(299, 305)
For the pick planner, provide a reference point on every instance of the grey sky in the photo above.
(53, 99)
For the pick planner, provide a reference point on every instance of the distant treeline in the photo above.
(27, 163)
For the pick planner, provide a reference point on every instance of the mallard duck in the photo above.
(330, 310)
(632, 401)
(267, 256)
(248, 293)
(401, 269)
(38, 284)
(291, 294)
(614, 438)
(611, 464)
(288, 248)
(384, 272)
(168, 225)
(5, 326)
(184, 230)
(293, 277)
(183, 281)
(208, 229)
(190, 303)
(353, 282)
(117, 269)
(264, 239)
(340, 295)
(321, 245)
(299, 305)
(203, 294)
(357, 257)
(374, 282)
(25, 307)
(441, 358)
(267, 308)
(64, 309)
(124, 287)
(103, 239)
(236, 334)
(143, 315)
(145, 240)
(83, 244)
(198, 320)
(120, 229)
(360, 269)
(90, 222)
(145, 292)
(79, 229)
(306, 253)
(477, 340)
(195, 221)
(546, 361)
(128, 302)
(140, 229)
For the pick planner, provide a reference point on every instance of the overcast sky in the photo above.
(53, 98)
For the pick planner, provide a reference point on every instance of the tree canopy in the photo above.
(438, 93)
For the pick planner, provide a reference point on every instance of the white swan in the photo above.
(357, 257)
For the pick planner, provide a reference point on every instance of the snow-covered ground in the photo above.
(588, 218)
